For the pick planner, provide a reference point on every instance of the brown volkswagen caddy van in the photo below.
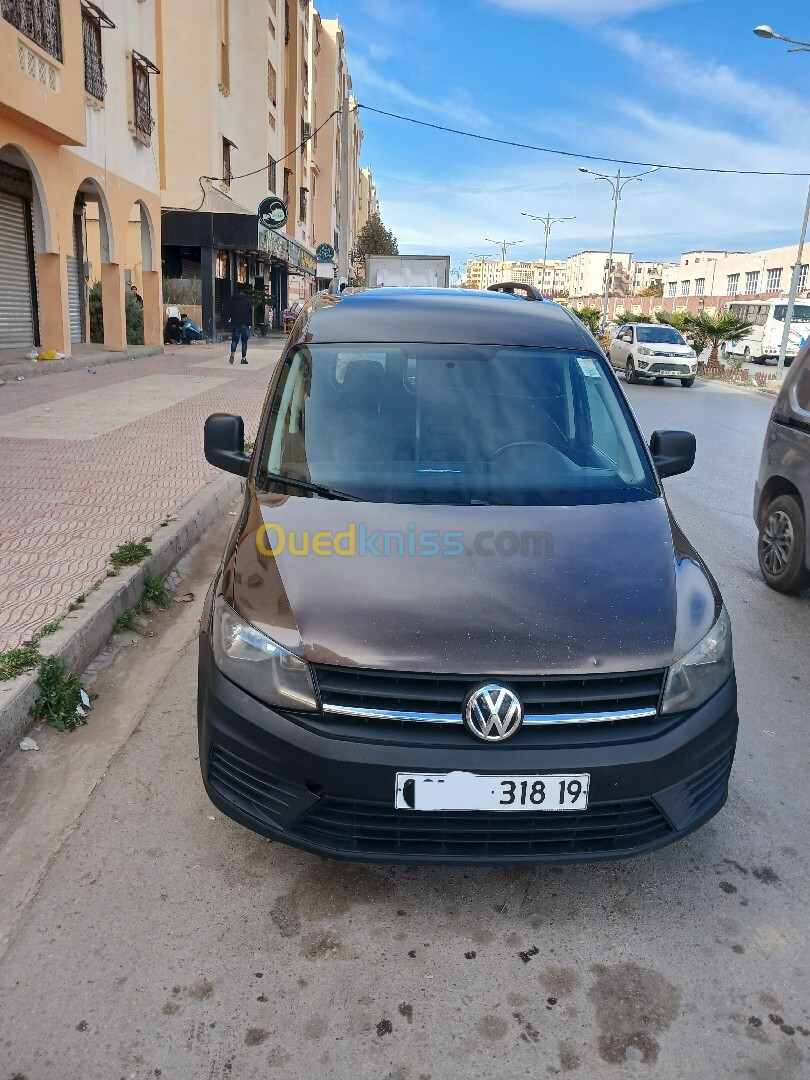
(455, 620)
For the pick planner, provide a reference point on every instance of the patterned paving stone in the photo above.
(66, 504)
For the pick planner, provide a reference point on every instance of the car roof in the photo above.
(452, 316)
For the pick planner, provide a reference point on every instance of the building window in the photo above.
(287, 177)
(751, 282)
(271, 83)
(271, 173)
(271, 26)
(272, 4)
(685, 288)
(286, 22)
(700, 286)
(92, 20)
(302, 204)
(305, 70)
(143, 120)
(227, 167)
(732, 284)
(306, 130)
(774, 280)
(671, 287)
(802, 277)
(39, 20)
(271, 120)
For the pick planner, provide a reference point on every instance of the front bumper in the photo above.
(335, 796)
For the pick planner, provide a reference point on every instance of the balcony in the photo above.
(38, 20)
(94, 81)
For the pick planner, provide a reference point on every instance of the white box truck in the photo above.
(411, 271)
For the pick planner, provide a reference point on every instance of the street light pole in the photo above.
(617, 182)
(801, 46)
(503, 245)
(547, 221)
(794, 288)
(483, 259)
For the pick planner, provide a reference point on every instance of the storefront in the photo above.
(207, 257)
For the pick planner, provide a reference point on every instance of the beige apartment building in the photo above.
(79, 185)
(586, 271)
(368, 205)
(550, 278)
(721, 275)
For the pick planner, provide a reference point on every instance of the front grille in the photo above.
(409, 692)
(373, 829)
(683, 369)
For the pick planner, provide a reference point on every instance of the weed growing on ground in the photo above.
(154, 591)
(15, 662)
(74, 605)
(48, 628)
(131, 552)
(124, 621)
(60, 693)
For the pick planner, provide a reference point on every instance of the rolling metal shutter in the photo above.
(16, 309)
(75, 277)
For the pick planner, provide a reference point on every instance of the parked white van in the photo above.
(763, 340)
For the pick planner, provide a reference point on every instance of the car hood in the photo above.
(600, 592)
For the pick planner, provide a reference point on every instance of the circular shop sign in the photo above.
(325, 252)
(273, 212)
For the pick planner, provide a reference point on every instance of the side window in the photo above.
(605, 438)
(801, 391)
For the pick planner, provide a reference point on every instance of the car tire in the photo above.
(688, 382)
(781, 546)
(630, 371)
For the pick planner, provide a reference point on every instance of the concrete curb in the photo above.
(9, 372)
(84, 632)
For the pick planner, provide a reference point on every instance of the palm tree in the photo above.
(632, 316)
(590, 316)
(714, 329)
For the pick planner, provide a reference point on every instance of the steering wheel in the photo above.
(515, 446)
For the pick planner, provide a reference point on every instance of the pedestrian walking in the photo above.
(241, 319)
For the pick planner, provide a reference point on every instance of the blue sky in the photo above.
(681, 81)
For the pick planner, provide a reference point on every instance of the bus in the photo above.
(763, 340)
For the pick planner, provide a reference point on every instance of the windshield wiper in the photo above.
(316, 489)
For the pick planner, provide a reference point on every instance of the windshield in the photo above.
(801, 312)
(660, 335)
(458, 424)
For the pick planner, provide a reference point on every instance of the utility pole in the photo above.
(617, 182)
(794, 288)
(483, 260)
(547, 221)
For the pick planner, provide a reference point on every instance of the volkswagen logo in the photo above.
(493, 713)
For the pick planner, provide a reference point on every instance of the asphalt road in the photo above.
(165, 941)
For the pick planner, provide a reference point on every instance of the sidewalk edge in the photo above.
(9, 372)
(84, 632)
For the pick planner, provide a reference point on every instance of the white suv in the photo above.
(659, 352)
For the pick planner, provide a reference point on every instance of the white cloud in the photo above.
(458, 108)
(569, 10)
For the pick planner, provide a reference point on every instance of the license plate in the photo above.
(473, 791)
(669, 374)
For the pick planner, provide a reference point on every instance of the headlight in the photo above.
(701, 673)
(691, 353)
(257, 663)
(644, 350)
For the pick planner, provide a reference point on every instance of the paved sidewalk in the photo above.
(88, 461)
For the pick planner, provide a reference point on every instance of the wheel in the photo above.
(630, 371)
(688, 382)
(782, 544)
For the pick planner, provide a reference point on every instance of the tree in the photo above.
(714, 329)
(373, 239)
(590, 316)
(655, 288)
(632, 316)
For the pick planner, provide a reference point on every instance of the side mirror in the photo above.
(673, 452)
(224, 443)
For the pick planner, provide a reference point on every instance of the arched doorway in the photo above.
(142, 279)
(90, 247)
(25, 230)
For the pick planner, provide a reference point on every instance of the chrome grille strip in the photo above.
(535, 719)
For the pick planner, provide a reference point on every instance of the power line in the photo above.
(262, 168)
(576, 154)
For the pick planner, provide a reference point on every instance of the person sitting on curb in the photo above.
(189, 329)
